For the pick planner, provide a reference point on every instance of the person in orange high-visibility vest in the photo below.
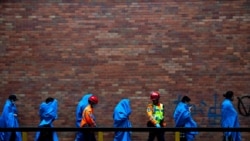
(88, 119)
(82, 104)
(155, 112)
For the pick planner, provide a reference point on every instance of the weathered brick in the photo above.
(123, 49)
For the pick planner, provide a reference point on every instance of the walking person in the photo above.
(83, 103)
(121, 115)
(155, 112)
(47, 113)
(183, 118)
(229, 117)
(9, 119)
(88, 119)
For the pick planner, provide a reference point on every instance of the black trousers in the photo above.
(183, 136)
(46, 135)
(158, 135)
(227, 138)
(13, 136)
(155, 134)
(88, 135)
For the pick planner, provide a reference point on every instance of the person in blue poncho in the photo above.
(229, 118)
(121, 119)
(48, 113)
(83, 103)
(182, 117)
(9, 119)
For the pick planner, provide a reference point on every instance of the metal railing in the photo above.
(134, 129)
(100, 130)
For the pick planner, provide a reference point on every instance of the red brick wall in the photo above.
(126, 49)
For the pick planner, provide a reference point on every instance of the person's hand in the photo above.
(164, 124)
(189, 108)
(158, 125)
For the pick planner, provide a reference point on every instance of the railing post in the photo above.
(177, 136)
(24, 136)
(100, 136)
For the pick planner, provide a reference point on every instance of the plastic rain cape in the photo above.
(183, 118)
(83, 103)
(229, 118)
(121, 119)
(48, 113)
(7, 119)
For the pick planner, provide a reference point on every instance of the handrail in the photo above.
(134, 129)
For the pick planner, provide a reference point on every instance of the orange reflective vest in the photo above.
(88, 118)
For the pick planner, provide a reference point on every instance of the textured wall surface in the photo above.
(125, 49)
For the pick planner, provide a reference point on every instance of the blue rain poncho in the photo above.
(9, 119)
(229, 118)
(183, 118)
(83, 103)
(48, 113)
(121, 120)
